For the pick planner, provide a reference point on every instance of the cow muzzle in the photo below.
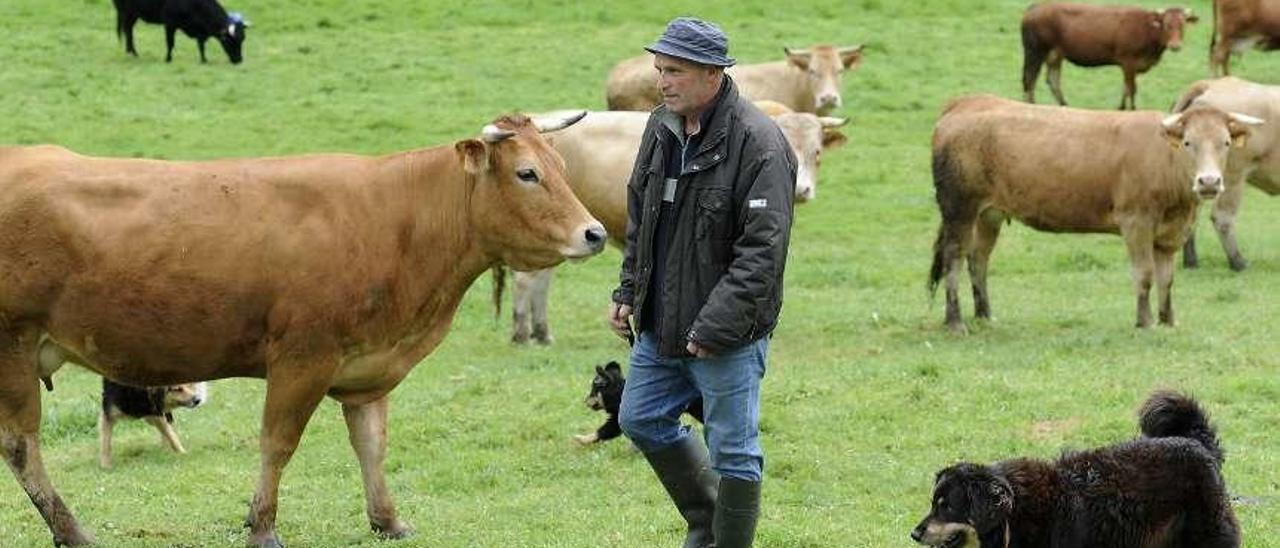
(829, 101)
(1208, 185)
(590, 240)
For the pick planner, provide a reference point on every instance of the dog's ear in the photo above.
(613, 366)
(599, 371)
(990, 501)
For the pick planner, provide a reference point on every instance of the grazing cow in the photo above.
(808, 81)
(1238, 25)
(323, 274)
(1067, 170)
(1092, 36)
(199, 19)
(1257, 162)
(599, 153)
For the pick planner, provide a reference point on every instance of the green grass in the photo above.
(866, 396)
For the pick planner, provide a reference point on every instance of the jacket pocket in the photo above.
(713, 226)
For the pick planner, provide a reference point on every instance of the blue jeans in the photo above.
(658, 390)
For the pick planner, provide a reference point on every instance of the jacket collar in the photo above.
(714, 120)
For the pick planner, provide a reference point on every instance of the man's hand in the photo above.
(620, 321)
(698, 351)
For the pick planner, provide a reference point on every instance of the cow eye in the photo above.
(527, 175)
(1186, 144)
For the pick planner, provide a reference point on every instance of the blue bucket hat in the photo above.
(694, 40)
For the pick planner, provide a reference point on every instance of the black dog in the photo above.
(606, 394)
(1162, 490)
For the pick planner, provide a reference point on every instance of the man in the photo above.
(709, 204)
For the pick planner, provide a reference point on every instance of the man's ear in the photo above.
(475, 156)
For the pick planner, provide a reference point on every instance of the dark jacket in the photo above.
(733, 207)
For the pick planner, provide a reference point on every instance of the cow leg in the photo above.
(986, 231)
(20, 435)
(1054, 76)
(1224, 221)
(1130, 89)
(521, 300)
(124, 24)
(105, 426)
(1141, 246)
(1190, 259)
(200, 46)
(955, 258)
(1163, 262)
(367, 430)
(293, 392)
(167, 434)
(1220, 58)
(542, 294)
(169, 31)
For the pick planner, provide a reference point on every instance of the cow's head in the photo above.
(823, 65)
(231, 36)
(1205, 135)
(809, 135)
(521, 207)
(1171, 21)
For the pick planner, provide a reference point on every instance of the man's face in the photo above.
(685, 86)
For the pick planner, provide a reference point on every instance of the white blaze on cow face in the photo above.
(823, 64)
(1206, 137)
(521, 205)
(809, 136)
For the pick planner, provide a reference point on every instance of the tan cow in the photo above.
(807, 81)
(599, 153)
(1239, 25)
(1056, 169)
(326, 275)
(1258, 162)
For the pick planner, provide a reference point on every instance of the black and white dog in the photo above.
(606, 395)
(154, 405)
(1162, 490)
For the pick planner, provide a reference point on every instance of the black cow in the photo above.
(199, 19)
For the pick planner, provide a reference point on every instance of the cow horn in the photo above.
(493, 134)
(1171, 121)
(547, 124)
(1245, 119)
(790, 51)
(832, 121)
(850, 49)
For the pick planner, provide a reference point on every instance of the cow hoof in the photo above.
(75, 537)
(957, 328)
(396, 531)
(266, 540)
(1239, 266)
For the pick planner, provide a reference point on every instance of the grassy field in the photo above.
(866, 396)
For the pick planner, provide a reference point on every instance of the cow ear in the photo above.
(475, 156)
(1238, 126)
(1173, 129)
(799, 57)
(851, 56)
(832, 138)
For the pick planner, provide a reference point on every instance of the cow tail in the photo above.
(1168, 414)
(1195, 91)
(499, 284)
(1213, 35)
(946, 183)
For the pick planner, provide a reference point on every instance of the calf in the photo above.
(1091, 36)
(1140, 175)
(199, 19)
(1239, 24)
(1257, 163)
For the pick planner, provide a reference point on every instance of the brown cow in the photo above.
(807, 81)
(599, 153)
(1092, 36)
(325, 274)
(1256, 163)
(1238, 25)
(1067, 170)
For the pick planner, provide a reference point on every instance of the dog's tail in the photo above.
(1168, 414)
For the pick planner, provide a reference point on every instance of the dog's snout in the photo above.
(917, 533)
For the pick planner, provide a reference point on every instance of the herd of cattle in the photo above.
(334, 275)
